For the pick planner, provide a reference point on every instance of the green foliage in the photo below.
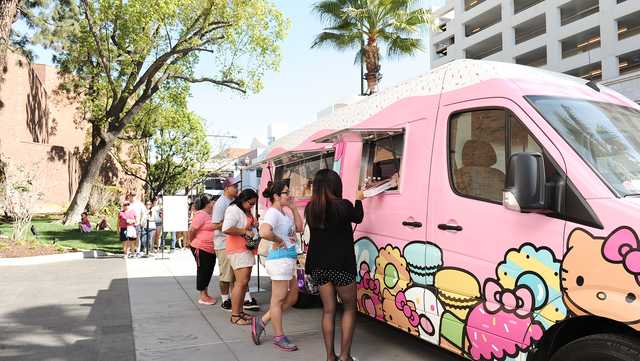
(167, 145)
(394, 23)
(115, 56)
(112, 50)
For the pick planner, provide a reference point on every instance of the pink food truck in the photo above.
(507, 228)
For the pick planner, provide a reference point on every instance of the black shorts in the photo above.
(338, 278)
(123, 235)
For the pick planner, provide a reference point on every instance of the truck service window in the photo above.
(381, 158)
(480, 144)
(300, 173)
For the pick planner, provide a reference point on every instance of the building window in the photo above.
(470, 4)
(535, 58)
(580, 43)
(485, 48)
(591, 71)
(299, 174)
(483, 21)
(629, 62)
(381, 160)
(629, 25)
(577, 9)
(530, 29)
(522, 5)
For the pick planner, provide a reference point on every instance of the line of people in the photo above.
(140, 228)
(222, 232)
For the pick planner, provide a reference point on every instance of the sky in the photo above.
(308, 81)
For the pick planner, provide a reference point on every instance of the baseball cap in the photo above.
(230, 181)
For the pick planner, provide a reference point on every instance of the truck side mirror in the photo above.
(525, 186)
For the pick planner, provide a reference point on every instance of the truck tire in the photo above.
(600, 347)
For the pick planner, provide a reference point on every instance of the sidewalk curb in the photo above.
(52, 258)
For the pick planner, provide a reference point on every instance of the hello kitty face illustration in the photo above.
(601, 276)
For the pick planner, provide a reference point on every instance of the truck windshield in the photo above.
(605, 135)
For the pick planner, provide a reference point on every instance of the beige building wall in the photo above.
(41, 130)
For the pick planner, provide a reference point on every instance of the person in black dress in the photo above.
(331, 260)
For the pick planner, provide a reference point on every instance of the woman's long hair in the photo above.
(327, 188)
(245, 196)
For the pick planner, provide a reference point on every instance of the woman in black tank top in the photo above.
(331, 259)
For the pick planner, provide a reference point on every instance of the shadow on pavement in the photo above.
(96, 327)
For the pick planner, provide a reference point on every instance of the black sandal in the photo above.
(241, 320)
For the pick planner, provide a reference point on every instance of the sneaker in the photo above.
(208, 302)
(283, 343)
(130, 255)
(138, 254)
(226, 305)
(251, 305)
(257, 329)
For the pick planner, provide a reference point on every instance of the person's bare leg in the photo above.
(328, 296)
(279, 290)
(239, 289)
(291, 299)
(348, 296)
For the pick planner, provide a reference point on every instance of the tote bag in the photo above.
(131, 232)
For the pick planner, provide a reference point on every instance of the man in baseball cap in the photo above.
(230, 182)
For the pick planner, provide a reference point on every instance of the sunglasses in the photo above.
(281, 193)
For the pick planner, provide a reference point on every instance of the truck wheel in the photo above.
(306, 300)
(600, 347)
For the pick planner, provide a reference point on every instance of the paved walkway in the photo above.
(77, 310)
(145, 309)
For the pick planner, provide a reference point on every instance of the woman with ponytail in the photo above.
(201, 236)
(279, 228)
(331, 260)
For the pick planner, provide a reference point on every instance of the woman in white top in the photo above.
(280, 229)
(238, 225)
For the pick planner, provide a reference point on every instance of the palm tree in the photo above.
(350, 23)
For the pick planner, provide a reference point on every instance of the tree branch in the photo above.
(107, 67)
(231, 84)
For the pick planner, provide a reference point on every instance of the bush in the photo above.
(20, 191)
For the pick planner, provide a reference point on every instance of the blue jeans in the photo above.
(148, 236)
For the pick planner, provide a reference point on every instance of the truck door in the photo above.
(493, 258)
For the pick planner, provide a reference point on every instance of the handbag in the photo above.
(131, 232)
(252, 242)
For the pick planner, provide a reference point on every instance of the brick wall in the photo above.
(42, 131)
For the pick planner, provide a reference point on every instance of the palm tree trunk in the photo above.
(372, 60)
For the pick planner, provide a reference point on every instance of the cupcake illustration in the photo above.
(366, 252)
(538, 270)
(458, 291)
(423, 260)
(391, 270)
